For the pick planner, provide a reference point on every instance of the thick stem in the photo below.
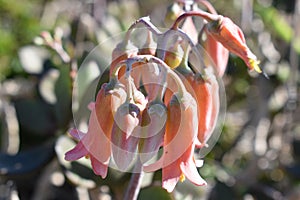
(134, 185)
(179, 83)
(146, 22)
(205, 15)
(128, 63)
(185, 37)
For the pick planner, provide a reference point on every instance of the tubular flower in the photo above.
(217, 53)
(206, 91)
(126, 119)
(152, 130)
(108, 99)
(231, 37)
(87, 147)
(107, 102)
(177, 161)
(189, 28)
(181, 107)
(124, 145)
(149, 48)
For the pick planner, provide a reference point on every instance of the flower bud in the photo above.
(149, 48)
(173, 55)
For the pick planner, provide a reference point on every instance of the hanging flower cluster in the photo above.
(156, 98)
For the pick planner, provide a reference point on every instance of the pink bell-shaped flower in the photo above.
(96, 143)
(177, 161)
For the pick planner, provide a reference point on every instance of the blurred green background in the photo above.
(256, 157)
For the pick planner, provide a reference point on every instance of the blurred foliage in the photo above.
(256, 157)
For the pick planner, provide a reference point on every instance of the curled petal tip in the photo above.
(76, 134)
(254, 64)
(77, 152)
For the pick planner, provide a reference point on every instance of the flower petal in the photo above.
(154, 166)
(124, 145)
(152, 130)
(190, 171)
(96, 141)
(77, 152)
(76, 134)
(98, 167)
(170, 176)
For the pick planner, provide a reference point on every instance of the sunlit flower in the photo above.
(177, 161)
(87, 147)
(152, 130)
(121, 52)
(205, 89)
(127, 118)
(124, 144)
(96, 144)
(231, 36)
(217, 55)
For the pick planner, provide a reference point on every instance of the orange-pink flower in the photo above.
(217, 55)
(152, 130)
(205, 90)
(231, 37)
(177, 161)
(96, 142)
(88, 147)
(126, 119)
(124, 144)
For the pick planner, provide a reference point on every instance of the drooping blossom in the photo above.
(149, 47)
(127, 118)
(177, 161)
(95, 144)
(152, 79)
(87, 147)
(232, 37)
(205, 90)
(152, 130)
(124, 145)
(217, 55)
(189, 28)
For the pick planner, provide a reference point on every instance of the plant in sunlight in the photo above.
(163, 98)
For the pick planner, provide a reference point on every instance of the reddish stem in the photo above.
(134, 185)
(205, 15)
